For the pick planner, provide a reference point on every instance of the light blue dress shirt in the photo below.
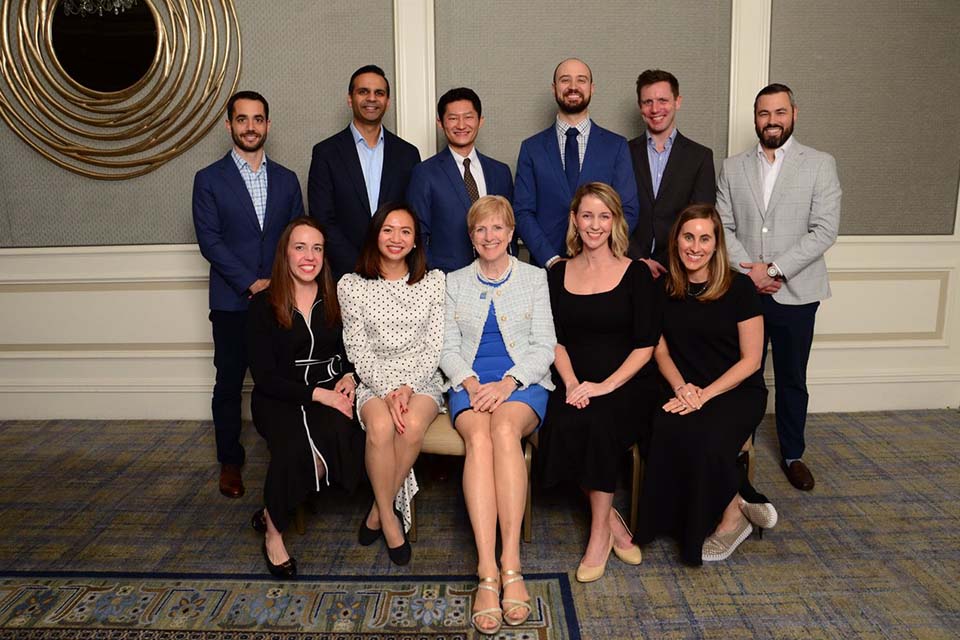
(658, 159)
(256, 182)
(371, 162)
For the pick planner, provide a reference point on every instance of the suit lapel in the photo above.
(677, 153)
(642, 164)
(751, 167)
(787, 175)
(389, 161)
(449, 167)
(233, 178)
(551, 149)
(351, 161)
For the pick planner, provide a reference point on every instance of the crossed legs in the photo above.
(495, 489)
(390, 455)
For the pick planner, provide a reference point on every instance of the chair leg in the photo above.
(412, 534)
(528, 508)
(299, 520)
(636, 480)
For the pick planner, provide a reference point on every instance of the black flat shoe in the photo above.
(367, 536)
(258, 521)
(285, 570)
(400, 555)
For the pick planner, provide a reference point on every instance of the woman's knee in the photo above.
(380, 432)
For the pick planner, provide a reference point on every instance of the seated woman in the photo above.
(710, 356)
(393, 331)
(604, 311)
(303, 387)
(497, 349)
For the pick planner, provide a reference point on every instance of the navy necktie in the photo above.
(571, 159)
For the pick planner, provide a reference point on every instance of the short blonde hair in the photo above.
(619, 236)
(488, 206)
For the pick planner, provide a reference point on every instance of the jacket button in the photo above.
(503, 318)
(764, 229)
(498, 294)
(511, 345)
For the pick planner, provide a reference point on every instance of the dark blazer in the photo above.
(541, 199)
(337, 193)
(687, 179)
(228, 232)
(438, 195)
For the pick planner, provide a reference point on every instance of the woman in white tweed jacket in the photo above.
(498, 346)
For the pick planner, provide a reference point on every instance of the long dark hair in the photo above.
(281, 293)
(720, 277)
(368, 264)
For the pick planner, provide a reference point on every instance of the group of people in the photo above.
(644, 319)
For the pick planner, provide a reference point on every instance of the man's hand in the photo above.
(763, 282)
(258, 286)
(656, 269)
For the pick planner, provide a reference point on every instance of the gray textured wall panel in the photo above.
(299, 54)
(507, 51)
(878, 83)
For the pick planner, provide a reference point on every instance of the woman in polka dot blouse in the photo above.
(393, 332)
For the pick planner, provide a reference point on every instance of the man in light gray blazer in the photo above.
(780, 206)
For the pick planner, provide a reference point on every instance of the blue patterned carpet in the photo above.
(872, 552)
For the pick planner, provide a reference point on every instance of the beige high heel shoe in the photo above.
(493, 613)
(512, 577)
(632, 554)
(592, 574)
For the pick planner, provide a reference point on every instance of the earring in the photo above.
(474, 248)
(414, 246)
(509, 249)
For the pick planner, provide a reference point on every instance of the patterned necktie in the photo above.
(571, 159)
(472, 191)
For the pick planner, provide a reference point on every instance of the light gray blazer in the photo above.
(797, 228)
(522, 305)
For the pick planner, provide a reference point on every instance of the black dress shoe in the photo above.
(285, 570)
(367, 536)
(258, 521)
(798, 474)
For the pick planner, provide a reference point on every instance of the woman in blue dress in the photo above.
(498, 346)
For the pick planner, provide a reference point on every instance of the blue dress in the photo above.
(491, 362)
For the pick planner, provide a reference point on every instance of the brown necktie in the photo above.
(469, 182)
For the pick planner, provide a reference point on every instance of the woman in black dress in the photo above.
(604, 311)
(303, 387)
(710, 355)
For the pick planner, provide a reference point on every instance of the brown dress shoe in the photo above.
(798, 474)
(231, 484)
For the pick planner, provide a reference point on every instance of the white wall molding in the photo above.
(416, 93)
(749, 68)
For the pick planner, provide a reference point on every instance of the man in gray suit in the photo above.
(780, 206)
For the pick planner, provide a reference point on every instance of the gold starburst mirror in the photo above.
(113, 89)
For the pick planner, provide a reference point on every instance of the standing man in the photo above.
(355, 171)
(672, 171)
(780, 206)
(241, 204)
(570, 152)
(443, 188)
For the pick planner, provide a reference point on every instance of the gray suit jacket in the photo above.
(522, 305)
(795, 230)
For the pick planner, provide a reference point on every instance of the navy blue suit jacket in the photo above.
(438, 195)
(337, 193)
(228, 232)
(541, 199)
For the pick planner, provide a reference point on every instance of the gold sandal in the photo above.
(512, 577)
(493, 613)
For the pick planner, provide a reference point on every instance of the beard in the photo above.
(241, 143)
(774, 141)
(572, 109)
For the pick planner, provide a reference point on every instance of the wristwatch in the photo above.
(772, 270)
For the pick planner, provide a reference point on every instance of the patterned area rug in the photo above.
(123, 606)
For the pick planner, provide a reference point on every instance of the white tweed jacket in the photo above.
(522, 305)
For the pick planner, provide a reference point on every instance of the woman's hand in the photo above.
(471, 385)
(689, 395)
(579, 395)
(398, 401)
(347, 385)
(334, 400)
(491, 395)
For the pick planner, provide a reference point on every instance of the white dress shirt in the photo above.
(475, 169)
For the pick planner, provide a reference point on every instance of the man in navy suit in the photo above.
(672, 171)
(356, 170)
(241, 204)
(570, 152)
(443, 188)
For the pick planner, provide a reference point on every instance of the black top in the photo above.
(288, 363)
(702, 336)
(599, 330)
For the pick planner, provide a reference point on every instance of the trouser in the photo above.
(788, 329)
(230, 360)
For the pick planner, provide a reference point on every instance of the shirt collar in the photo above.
(583, 126)
(666, 145)
(241, 163)
(358, 137)
(474, 158)
(779, 153)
